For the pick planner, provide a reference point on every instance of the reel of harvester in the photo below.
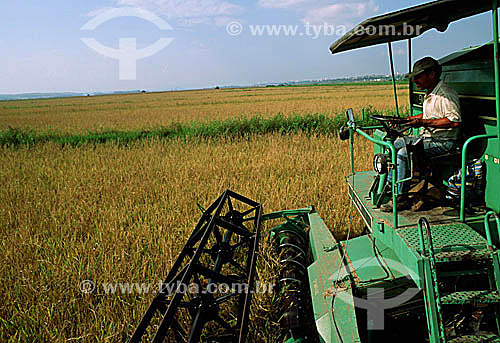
(290, 240)
(207, 294)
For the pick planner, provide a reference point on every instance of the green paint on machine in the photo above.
(445, 254)
(433, 275)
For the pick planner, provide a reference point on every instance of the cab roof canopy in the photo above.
(409, 23)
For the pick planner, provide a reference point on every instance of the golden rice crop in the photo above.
(121, 214)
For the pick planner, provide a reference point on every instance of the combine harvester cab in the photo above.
(432, 275)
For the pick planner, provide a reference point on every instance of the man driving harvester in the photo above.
(440, 122)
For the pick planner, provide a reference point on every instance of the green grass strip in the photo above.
(311, 124)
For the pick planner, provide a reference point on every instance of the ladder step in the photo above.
(474, 339)
(478, 255)
(471, 297)
(472, 272)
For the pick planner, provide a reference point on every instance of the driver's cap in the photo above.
(424, 64)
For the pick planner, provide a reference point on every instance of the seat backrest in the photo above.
(492, 160)
(479, 118)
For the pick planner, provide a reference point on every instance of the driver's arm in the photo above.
(415, 120)
(442, 123)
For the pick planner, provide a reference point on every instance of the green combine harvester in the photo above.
(415, 276)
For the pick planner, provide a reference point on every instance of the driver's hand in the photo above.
(416, 122)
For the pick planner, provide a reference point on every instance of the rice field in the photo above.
(121, 213)
(149, 110)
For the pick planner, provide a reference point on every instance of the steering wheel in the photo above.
(394, 126)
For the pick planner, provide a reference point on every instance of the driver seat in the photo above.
(434, 169)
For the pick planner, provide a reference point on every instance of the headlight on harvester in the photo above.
(380, 163)
(344, 133)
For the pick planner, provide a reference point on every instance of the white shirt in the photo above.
(442, 102)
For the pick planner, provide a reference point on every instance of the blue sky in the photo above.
(42, 50)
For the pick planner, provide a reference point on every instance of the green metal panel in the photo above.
(380, 223)
(408, 255)
(492, 160)
(470, 71)
(333, 308)
(471, 78)
(470, 83)
(367, 266)
(492, 194)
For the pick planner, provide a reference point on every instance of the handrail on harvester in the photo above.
(391, 147)
(464, 171)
